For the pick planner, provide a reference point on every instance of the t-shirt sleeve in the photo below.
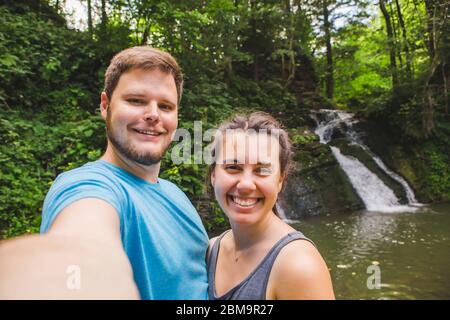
(70, 188)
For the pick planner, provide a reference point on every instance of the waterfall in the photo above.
(375, 194)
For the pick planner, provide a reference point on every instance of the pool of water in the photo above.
(373, 255)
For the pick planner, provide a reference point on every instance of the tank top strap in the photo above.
(212, 263)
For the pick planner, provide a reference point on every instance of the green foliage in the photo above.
(439, 176)
(237, 57)
(31, 155)
(302, 137)
(40, 68)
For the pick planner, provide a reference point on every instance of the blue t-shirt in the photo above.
(161, 231)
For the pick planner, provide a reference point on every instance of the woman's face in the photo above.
(246, 178)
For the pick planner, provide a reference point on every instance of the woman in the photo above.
(261, 257)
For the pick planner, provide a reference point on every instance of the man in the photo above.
(117, 207)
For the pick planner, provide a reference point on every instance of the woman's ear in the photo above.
(280, 182)
(213, 177)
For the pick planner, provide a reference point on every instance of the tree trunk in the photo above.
(398, 49)
(430, 26)
(390, 36)
(446, 78)
(291, 53)
(329, 82)
(104, 15)
(89, 12)
(445, 43)
(255, 68)
(409, 75)
(146, 33)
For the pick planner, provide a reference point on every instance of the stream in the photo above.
(395, 248)
(412, 251)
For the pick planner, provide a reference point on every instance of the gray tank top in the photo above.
(255, 285)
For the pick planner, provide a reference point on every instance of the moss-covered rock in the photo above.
(425, 165)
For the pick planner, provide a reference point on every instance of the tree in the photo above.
(391, 43)
(89, 17)
(409, 75)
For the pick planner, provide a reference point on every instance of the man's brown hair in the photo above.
(142, 57)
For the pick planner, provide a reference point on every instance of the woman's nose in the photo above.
(246, 183)
(151, 112)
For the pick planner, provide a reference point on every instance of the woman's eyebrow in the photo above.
(259, 163)
(230, 161)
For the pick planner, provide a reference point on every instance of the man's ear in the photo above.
(104, 104)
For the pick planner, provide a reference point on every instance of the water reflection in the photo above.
(412, 251)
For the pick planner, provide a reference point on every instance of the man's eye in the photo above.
(165, 107)
(136, 101)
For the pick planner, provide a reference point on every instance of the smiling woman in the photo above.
(261, 258)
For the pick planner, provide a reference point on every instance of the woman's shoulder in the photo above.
(298, 258)
(213, 240)
(300, 272)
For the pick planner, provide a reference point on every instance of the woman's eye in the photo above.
(232, 168)
(264, 170)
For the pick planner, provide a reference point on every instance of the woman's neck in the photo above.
(269, 228)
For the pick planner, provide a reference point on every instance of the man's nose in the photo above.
(151, 112)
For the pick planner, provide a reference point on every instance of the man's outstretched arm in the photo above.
(81, 257)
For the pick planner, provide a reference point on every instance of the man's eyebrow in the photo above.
(264, 163)
(141, 94)
(133, 94)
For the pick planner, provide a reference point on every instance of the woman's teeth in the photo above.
(244, 202)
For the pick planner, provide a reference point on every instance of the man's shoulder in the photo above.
(93, 177)
(169, 185)
(174, 192)
(92, 180)
(95, 170)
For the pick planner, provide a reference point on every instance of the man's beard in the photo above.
(146, 159)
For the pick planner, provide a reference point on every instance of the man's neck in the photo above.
(147, 173)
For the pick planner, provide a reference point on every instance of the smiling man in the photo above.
(139, 229)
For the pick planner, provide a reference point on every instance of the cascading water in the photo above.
(375, 194)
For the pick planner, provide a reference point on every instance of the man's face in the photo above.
(142, 115)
